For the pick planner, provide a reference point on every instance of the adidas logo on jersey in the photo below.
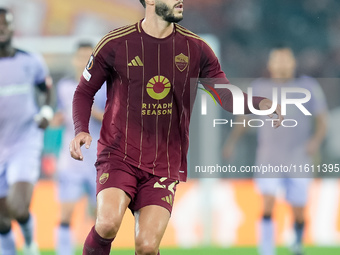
(136, 62)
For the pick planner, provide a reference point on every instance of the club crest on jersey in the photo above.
(181, 62)
(103, 178)
(158, 87)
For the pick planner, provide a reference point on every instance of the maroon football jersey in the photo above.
(146, 120)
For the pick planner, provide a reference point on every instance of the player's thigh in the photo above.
(115, 189)
(90, 190)
(152, 207)
(299, 213)
(268, 186)
(297, 191)
(154, 190)
(23, 168)
(24, 165)
(111, 206)
(70, 186)
(268, 204)
(151, 223)
(66, 211)
(90, 187)
(5, 219)
(3, 181)
(19, 199)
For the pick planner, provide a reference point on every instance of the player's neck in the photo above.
(156, 27)
(6, 50)
(282, 79)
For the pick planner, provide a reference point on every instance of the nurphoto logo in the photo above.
(238, 104)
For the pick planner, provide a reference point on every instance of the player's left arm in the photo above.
(211, 68)
(315, 141)
(44, 84)
(320, 111)
(58, 118)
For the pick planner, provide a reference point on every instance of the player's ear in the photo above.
(150, 2)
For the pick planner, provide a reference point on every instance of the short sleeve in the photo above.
(210, 66)
(41, 70)
(318, 103)
(259, 88)
(59, 89)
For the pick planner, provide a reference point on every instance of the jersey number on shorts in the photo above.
(163, 186)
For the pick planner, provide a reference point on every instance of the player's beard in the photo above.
(7, 41)
(164, 11)
(5, 44)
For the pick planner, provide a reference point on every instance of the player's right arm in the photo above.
(319, 109)
(79, 140)
(96, 72)
(236, 134)
(238, 131)
(210, 68)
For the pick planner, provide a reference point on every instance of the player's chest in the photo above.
(168, 63)
(16, 71)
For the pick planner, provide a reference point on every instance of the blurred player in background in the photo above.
(286, 145)
(74, 177)
(21, 139)
(144, 138)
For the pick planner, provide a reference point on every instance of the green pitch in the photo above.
(222, 251)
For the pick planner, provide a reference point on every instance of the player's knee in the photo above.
(18, 209)
(106, 228)
(145, 247)
(65, 218)
(267, 216)
(5, 224)
(20, 213)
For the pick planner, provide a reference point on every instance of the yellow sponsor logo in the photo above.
(157, 109)
(158, 87)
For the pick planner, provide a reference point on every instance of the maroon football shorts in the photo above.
(142, 187)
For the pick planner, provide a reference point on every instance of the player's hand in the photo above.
(44, 116)
(313, 147)
(266, 104)
(228, 150)
(80, 139)
(43, 124)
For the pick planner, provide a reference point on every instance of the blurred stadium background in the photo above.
(208, 212)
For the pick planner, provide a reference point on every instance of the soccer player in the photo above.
(293, 145)
(21, 139)
(75, 177)
(144, 136)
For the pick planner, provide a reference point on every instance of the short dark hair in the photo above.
(8, 14)
(85, 44)
(281, 46)
(142, 2)
(3, 10)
